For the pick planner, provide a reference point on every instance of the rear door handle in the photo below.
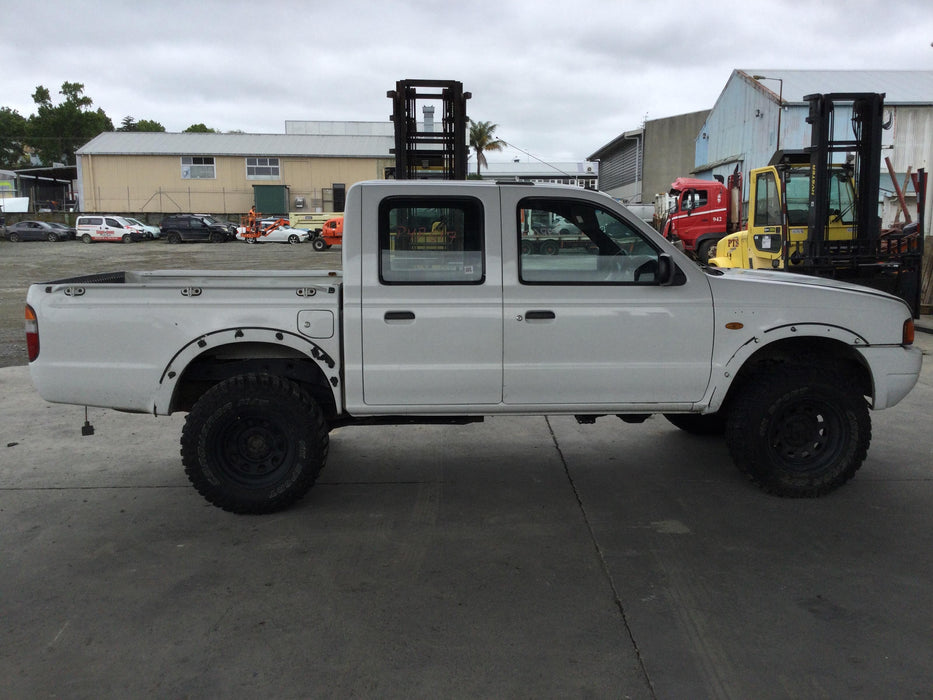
(539, 315)
(399, 316)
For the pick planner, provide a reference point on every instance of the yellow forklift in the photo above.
(815, 211)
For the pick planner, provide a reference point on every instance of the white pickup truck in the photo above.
(440, 316)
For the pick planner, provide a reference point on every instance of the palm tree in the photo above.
(482, 138)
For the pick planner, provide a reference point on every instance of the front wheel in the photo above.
(319, 244)
(217, 237)
(799, 431)
(293, 239)
(254, 443)
(14, 238)
(706, 250)
(127, 238)
(52, 238)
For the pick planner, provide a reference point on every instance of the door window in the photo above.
(575, 242)
(767, 201)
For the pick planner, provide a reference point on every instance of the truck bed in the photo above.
(111, 339)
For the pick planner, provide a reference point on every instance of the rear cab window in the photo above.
(431, 240)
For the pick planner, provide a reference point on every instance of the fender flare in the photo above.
(724, 373)
(175, 369)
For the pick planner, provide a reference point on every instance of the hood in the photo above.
(767, 299)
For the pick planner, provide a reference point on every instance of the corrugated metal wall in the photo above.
(622, 167)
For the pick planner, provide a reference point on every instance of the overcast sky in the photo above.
(560, 78)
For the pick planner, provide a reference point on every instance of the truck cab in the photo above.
(699, 215)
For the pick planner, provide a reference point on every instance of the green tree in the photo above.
(482, 139)
(130, 124)
(199, 129)
(12, 138)
(149, 125)
(55, 132)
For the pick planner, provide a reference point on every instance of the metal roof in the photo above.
(188, 144)
(527, 169)
(899, 86)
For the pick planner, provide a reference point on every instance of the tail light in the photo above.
(32, 333)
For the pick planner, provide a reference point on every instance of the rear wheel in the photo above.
(549, 248)
(173, 237)
(254, 443)
(86, 238)
(319, 244)
(799, 431)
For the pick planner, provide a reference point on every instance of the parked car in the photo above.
(283, 234)
(147, 230)
(196, 227)
(37, 231)
(100, 228)
(69, 230)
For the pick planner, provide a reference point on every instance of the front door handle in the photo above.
(399, 316)
(539, 316)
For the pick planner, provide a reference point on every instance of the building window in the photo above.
(197, 168)
(262, 169)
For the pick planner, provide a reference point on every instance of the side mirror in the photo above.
(688, 201)
(666, 270)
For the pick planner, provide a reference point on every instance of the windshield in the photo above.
(841, 196)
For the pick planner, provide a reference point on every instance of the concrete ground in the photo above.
(520, 557)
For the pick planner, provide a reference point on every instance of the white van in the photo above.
(93, 228)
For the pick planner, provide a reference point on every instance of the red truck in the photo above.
(703, 211)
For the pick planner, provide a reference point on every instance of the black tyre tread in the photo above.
(746, 426)
(242, 391)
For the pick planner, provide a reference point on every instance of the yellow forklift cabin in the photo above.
(774, 185)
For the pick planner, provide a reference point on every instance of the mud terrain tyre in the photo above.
(254, 443)
(799, 431)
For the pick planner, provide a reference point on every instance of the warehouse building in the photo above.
(761, 111)
(149, 172)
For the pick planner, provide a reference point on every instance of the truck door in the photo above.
(596, 327)
(765, 232)
(431, 299)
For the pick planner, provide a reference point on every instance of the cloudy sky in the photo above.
(560, 78)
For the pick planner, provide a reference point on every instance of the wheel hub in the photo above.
(254, 447)
(805, 436)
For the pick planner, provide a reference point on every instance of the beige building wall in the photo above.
(153, 184)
